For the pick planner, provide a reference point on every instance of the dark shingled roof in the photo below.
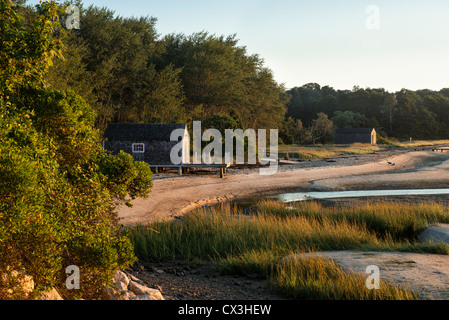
(354, 130)
(141, 131)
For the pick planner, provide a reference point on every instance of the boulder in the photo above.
(140, 290)
(123, 287)
(120, 276)
(126, 287)
(435, 233)
(52, 294)
(18, 281)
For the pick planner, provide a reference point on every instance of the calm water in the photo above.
(301, 196)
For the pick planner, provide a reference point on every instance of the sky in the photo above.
(391, 44)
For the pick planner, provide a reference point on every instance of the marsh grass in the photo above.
(327, 151)
(320, 278)
(421, 143)
(334, 150)
(218, 233)
(400, 221)
(257, 243)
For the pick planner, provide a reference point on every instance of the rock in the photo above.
(119, 288)
(52, 294)
(171, 271)
(23, 284)
(131, 295)
(128, 287)
(112, 294)
(435, 233)
(128, 295)
(120, 276)
(156, 270)
(146, 297)
(131, 277)
(140, 290)
(19, 281)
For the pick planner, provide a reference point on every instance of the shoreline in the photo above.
(174, 196)
(422, 272)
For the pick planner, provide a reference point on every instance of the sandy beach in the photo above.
(173, 195)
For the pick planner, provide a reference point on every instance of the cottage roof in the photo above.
(141, 131)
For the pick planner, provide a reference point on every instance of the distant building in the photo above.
(355, 135)
(149, 142)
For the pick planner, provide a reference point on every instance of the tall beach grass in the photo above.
(333, 150)
(258, 243)
(327, 151)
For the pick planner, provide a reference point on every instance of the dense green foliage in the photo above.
(108, 62)
(129, 74)
(422, 114)
(58, 187)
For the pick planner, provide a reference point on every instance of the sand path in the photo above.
(171, 197)
(433, 174)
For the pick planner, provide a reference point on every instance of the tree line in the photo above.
(129, 73)
(421, 114)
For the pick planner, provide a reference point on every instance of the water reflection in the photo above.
(301, 196)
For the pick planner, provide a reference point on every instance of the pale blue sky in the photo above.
(323, 41)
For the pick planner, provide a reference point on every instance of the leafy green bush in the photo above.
(57, 211)
(58, 187)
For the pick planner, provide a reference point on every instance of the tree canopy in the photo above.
(129, 74)
(58, 187)
(422, 114)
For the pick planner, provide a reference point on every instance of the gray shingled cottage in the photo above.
(354, 135)
(148, 142)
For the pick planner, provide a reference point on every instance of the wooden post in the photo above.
(221, 172)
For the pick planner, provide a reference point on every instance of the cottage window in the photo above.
(138, 147)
